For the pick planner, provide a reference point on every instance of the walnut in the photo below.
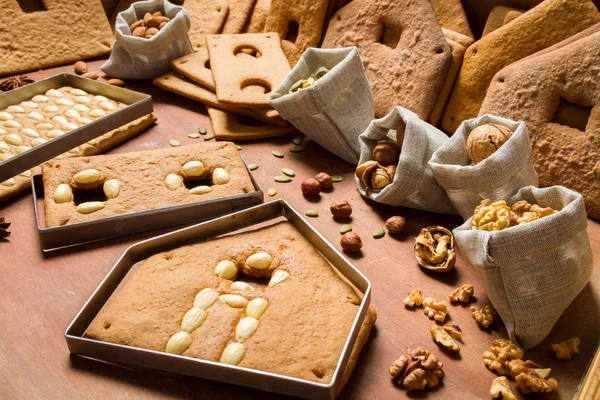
(443, 338)
(414, 298)
(533, 383)
(527, 217)
(566, 349)
(463, 293)
(542, 212)
(484, 316)
(484, 140)
(417, 369)
(518, 367)
(520, 207)
(434, 309)
(525, 212)
(501, 352)
(434, 249)
(501, 387)
(490, 216)
(454, 331)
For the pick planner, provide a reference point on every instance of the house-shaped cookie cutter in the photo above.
(81, 345)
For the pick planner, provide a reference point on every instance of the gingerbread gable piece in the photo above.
(558, 95)
(51, 32)
(404, 52)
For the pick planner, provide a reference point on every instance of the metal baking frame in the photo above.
(120, 225)
(83, 346)
(139, 104)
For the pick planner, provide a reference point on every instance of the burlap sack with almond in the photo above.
(337, 108)
(498, 176)
(140, 58)
(413, 185)
(532, 272)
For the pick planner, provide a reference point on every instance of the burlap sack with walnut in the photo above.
(414, 185)
(499, 176)
(532, 272)
(337, 108)
(140, 58)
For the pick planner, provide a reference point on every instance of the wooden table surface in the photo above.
(41, 294)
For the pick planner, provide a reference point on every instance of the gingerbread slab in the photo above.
(278, 378)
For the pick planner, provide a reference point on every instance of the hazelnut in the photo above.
(391, 170)
(340, 209)
(351, 242)
(395, 225)
(386, 153)
(311, 187)
(380, 179)
(325, 180)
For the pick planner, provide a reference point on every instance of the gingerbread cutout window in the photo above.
(291, 34)
(29, 6)
(88, 195)
(571, 114)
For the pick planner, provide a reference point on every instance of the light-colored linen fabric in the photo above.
(337, 108)
(500, 176)
(140, 58)
(414, 185)
(532, 272)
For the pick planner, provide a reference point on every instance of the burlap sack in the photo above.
(500, 176)
(337, 108)
(532, 272)
(140, 58)
(414, 185)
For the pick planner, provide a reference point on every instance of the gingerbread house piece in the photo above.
(558, 95)
(403, 49)
(39, 34)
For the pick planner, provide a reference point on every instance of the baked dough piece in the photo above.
(239, 13)
(207, 16)
(543, 26)
(301, 333)
(230, 126)
(142, 178)
(500, 16)
(538, 90)
(451, 16)
(405, 70)
(258, 18)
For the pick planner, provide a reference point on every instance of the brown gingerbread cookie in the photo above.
(500, 16)
(258, 18)
(541, 90)
(451, 16)
(207, 17)
(239, 14)
(230, 126)
(541, 27)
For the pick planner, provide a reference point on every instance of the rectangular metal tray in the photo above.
(80, 345)
(120, 225)
(139, 104)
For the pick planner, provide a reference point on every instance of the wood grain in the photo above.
(40, 294)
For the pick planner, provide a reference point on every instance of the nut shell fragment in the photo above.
(434, 249)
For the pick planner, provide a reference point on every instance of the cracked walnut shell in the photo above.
(501, 352)
(434, 249)
(501, 387)
(442, 337)
(485, 140)
(414, 298)
(417, 369)
(463, 293)
(566, 349)
(436, 310)
(484, 316)
(492, 216)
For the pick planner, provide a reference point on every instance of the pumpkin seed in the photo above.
(283, 179)
(297, 140)
(289, 172)
(345, 229)
(311, 213)
(297, 149)
(193, 136)
(336, 178)
(277, 153)
(202, 130)
(276, 96)
(174, 143)
(272, 192)
(209, 136)
(252, 167)
(378, 233)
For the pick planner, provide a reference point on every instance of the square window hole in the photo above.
(572, 115)
(85, 195)
(389, 36)
(292, 31)
(29, 6)
(192, 183)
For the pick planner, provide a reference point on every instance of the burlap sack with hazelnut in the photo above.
(408, 182)
(532, 272)
(334, 110)
(135, 57)
(487, 158)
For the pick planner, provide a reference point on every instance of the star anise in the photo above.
(15, 82)
(4, 228)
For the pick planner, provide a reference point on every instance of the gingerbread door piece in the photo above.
(558, 95)
(298, 23)
(53, 33)
(405, 54)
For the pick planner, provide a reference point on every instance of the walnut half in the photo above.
(434, 249)
(463, 293)
(566, 349)
(484, 316)
(417, 369)
(501, 387)
(492, 216)
(501, 352)
(443, 338)
(435, 309)
(414, 298)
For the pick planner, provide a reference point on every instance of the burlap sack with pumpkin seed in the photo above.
(337, 108)
(532, 272)
(413, 185)
(498, 176)
(140, 58)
